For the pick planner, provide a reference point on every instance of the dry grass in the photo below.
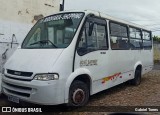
(156, 53)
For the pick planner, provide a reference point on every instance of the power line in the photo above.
(152, 25)
(145, 20)
(156, 30)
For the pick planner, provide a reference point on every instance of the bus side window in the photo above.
(119, 36)
(101, 36)
(135, 38)
(96, 41)
(147, 42)
(114, 43)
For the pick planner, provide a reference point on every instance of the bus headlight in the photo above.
(46, 77)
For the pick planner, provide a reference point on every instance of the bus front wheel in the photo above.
(78, 94)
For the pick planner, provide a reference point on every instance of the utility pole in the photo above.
(62, 6)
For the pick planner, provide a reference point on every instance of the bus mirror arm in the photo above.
(81, 50)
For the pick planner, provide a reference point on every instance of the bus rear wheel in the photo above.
(78, 94)
(137, 78)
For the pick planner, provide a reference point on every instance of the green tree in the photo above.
(156, 38)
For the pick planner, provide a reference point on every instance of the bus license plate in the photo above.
(13, 99)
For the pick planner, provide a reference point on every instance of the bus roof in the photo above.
(106, 16)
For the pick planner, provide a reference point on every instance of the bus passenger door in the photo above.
(91, 51)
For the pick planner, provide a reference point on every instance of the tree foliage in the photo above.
(156, 38)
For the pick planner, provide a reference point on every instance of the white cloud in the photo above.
(143, 12)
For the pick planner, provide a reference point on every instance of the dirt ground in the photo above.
(146, 94)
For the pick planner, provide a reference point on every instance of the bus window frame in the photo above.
(97, 20)
(141, 46)
(121, 24)
(150, 33)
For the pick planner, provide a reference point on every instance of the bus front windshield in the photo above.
(56, 31)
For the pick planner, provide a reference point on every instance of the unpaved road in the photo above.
(146, 94)
(157, 66)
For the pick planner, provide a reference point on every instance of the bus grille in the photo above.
(19, 73)
(20, 79)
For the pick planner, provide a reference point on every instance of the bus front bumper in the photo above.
(38, 92)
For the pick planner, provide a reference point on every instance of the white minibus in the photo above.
(69, 56)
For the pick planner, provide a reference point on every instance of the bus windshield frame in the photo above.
(55, 31)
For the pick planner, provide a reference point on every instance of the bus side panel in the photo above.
(147, 60)
(112, 68)
(119, 69)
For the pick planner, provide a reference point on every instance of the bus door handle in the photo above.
(102, 52)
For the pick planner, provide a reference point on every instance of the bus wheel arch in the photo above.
(79, 91)
(137, 75)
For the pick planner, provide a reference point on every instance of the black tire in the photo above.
(137, 78)
(81, 90)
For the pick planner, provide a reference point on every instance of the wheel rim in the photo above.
(78, 96)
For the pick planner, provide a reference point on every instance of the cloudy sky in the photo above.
(143, 12)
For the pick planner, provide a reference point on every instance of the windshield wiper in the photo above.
(43, 42)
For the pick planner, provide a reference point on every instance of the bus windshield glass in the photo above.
(56, 31)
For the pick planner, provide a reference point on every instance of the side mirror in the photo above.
(91, 25)
(81, 50)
